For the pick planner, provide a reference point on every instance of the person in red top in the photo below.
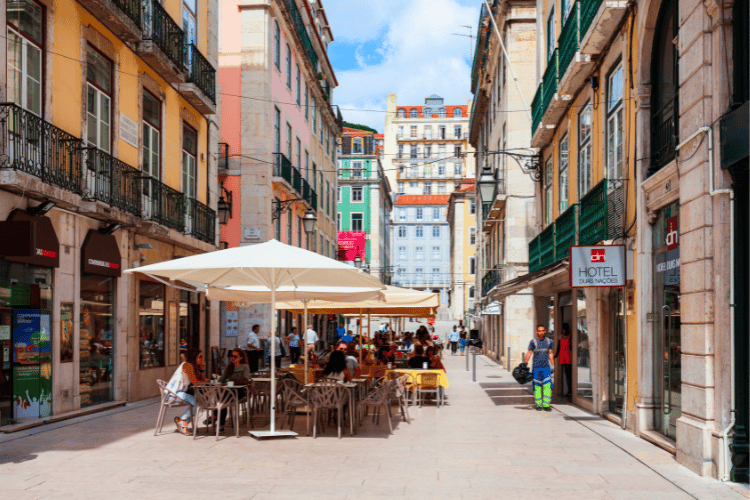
(565, 356)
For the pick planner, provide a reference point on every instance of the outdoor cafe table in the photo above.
(352, 389)
(236, 388)
(415, 376)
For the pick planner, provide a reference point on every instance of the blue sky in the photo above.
(406, 47)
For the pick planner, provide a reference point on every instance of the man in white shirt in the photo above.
(311, 339)
(253, 348)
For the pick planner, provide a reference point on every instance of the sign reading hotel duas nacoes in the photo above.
(597, 266)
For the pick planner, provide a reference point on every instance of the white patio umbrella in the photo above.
(270, 265)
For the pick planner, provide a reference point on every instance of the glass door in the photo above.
(667, 342)
(616, 353)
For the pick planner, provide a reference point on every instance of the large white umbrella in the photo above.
(270, 265)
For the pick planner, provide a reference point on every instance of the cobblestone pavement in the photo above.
(486, 442)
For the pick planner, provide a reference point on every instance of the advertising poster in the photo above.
(66, 332)
(31, 336)
(233, 323)
(351, 244)
(26, 391)
(172, 335)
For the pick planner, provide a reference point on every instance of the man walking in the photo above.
(453, 338)
(544, 363)
(311, 340)
(253, 348)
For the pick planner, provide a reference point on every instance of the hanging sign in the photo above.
(597, 266)
(493, 309)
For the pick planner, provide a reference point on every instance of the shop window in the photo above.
(189, 327)
(151, 313)
(97, 338)
(584, 382)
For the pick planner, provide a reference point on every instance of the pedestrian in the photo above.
(311, 340)
(453, 338)
(564, 355)
(462, 340)
(293, 340)
(253, 348)
(543, 366)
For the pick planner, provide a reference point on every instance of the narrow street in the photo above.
(487, 442)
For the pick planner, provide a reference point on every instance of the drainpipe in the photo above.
(713, 192)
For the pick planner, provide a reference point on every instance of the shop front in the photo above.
(26, 284)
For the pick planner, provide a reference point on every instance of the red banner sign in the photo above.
(351, 244)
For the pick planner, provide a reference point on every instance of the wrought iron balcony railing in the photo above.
(160, 28)
(283, 168)
(35, 146)
(302, 31)
(200, 72)
(163, 204)
(490, 280)
(112, 181)
(131, 8)
(200, 221)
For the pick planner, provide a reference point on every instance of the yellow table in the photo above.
(416, 375)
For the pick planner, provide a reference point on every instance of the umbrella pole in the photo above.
(307, 361)
(369, 335)
(360, 335)
(273, 358)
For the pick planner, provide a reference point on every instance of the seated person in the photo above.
(347, 337)
(187, 374)
(336, 367)
(352, 363)
(238, 371)
(434, 358)
(419, 358)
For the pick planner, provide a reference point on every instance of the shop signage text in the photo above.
(597, 266)
(102, 263)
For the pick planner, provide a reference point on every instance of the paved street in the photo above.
(486, 443)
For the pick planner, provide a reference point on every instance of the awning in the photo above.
(46, 252)
(100, 254)
(517, 284)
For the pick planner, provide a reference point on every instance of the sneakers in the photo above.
(547, 408)
(538, 408)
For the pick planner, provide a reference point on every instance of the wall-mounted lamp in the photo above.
(487, 184)
(142, 246)
(110, 228)
(42, 208)
(224, 205)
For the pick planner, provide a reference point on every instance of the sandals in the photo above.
(182, 426)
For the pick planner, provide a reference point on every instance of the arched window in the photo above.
(664, 90)
(401, 113)
(413, 113)
(441, 113)
(427, 112)
(457, 113)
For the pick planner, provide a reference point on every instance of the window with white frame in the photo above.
(98, 100)
(457, 131)
(457, 150)
(472, 266)
(356, 169)
(151, 139)
(472, 236)
(357, 146)
(24, 71)
(427, 151)
(420, 213)
(413, 170)
(357, 222)
(436, 275)
(288, 141)
(441, 132)
(356, 194)
(400, 134)
(288, 67)
(441, 169)
(441, 113)
(413, 151)
(413, 113)
(436, 231)
(402, 232)
(400, 188)
(419, 232)
(428, 188)
(473, 207)
(277, 45)
(400, 151)
(584, 150)
(299, 86)
(457, 113)
(436, 213)
(189, 153)
(402, 253)
(307, 102)
(548, 175)
(457, 169)
(402, 214)
(299, 153)
(401, 113)
(563, 173)
(614, 124)
(428, 132)
(413, 131)
(442, 187)
(419, 253)
(418, 274)
(441, 150)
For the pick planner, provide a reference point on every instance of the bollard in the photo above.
(474, 365)
(507, 360)
(466, 352)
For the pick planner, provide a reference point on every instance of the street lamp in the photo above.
(308, 221)
(358, 262)
(224, 206)
(487, 184)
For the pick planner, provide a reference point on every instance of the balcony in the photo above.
(171, 208)
(284, 170)
(163, 45)
(34, 146)
(122, 17)
(548, 105)
(200, 221)
(302, 32)
(490, 280)
(547, 250)
(599, 21)
(111, 181)
(566, 231)
(199, 88)
(574, 66)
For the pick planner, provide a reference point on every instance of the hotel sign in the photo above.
(597, 266)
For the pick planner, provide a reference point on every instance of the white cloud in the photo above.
(419, 55)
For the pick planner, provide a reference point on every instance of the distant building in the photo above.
(462, 221)
(364, 202)
(421, 243)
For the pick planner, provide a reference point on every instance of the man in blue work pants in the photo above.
(544, 364)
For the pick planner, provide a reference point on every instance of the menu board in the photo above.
(233, 323)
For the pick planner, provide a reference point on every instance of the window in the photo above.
(472, 236)
(307, 165)
(402, 214)
(402, 253)
(436, 231)
(457, 150)
(551, 34)
(356, 169)
(189, 153)
(457, 113)
(563, 174)
(151, 315)
(614, 124)
(457, 131)
(441, 132)
(472, 266)
(419, 214)
(441, 187)
(400, 150)
(357, 146)
(288, 67)
(413, 170)
(427, 188)
(441, 113)
(401, 169)
(314, 112)
(419, 232)
(190, 24)
(436, 214)
(299, 86)
(427, 112)
(413, 131)
(400, 132)
(413, 184)
(402, 232)
(98, 100)
(307, 102)
(418, 274)
(473, 207)
(419, 253)
(548, 174)
(584, 150)
(277, 45)
(413, 113)
(338, 194)
(428, 132)
(566, 6)
(401, 113)
(356, 194)
(400, 188)
(413, 151)
(299, 154)
(151, 140)
(441, 150)
(277, 130)
(357, 222)
(664, 89)
(289, 141)
(457, 170)
(441, 169)
(25, 56)
(428, 171)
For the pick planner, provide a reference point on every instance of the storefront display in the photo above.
(151, 313)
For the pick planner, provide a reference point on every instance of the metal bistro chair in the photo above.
(328, 395)
(401, 395)
(428, 383)
(169, 399)
(380, 397)
(215, 397)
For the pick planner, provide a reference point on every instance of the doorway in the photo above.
(565, 379)
(616, 352)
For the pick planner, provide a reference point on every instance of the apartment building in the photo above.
(279, 134)
(107, 135)
(462, 223)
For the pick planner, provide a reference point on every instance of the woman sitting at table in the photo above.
(419, 359)
(238, 371)
(434, 358)
(189, 372)
(336, 367)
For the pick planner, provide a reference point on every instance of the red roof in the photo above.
(467, 187)
(422, 199)
(379, 136)
(448, 110)
(355, 131)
